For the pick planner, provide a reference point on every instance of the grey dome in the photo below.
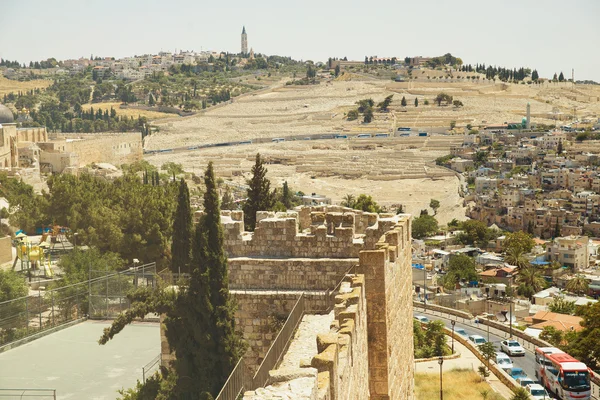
(6, 116)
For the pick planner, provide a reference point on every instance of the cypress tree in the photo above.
(559, 150)
(416, 102)
(286, 197)
(211, 263)
(182, 231)
(259, 194)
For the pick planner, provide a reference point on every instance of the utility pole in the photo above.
(424, 288)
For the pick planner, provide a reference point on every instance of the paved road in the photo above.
(317, 136)
(495, 336)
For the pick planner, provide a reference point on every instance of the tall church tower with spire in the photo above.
(244, 41)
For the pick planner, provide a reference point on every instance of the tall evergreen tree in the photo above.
(559, 149)
(182, 231)
(561, 77)
(416, 102)
(212, 261)
(260, 197)
(286, 196)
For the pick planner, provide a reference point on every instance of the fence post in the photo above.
(52, 295)
(27, 314)
(40, 306)
(106, 300)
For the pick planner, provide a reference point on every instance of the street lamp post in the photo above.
(424, 288)
(452, 322)
(510, 304)
(75, 240)
(441, 361)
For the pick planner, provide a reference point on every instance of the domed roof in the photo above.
(6, 116)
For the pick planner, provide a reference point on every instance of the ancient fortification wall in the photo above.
(368, 352)
(288, 273)
(339, 370)
(312, 232)
(124, 148)
(389, 312)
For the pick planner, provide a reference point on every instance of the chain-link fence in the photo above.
(102, 296)
(108, 290)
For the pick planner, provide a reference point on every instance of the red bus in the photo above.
(561, 374)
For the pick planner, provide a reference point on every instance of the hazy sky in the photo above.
(548, 35)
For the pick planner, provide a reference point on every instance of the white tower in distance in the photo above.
(244, 41)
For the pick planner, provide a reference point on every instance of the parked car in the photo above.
(462, 332)
(477, 340)
(422, 319)
(516, 373)
(512, 348)
(525, 381)
(537, 391)
(503, 361)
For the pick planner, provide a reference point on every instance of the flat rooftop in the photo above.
(72, 362)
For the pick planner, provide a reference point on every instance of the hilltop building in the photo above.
(244, 41)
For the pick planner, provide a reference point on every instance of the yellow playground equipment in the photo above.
(32, 256)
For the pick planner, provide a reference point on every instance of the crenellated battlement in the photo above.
(308, 232)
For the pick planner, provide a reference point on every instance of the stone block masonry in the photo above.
(339, 369)
(387, 269)
(288, 273)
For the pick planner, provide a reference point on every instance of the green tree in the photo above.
(366, 203)
(384, 105)
(484, 373)
(227, 201)
(286, 196)
(348, 201)
(530, 281)
(475, 232)
(337, 70)
(559, 149)
(364, 104)
(579, 285)
(519, 240)
(520, 393)
(12, 286)
(368, 115)
(443, 97)
(457, 103)
(515, 256)
(562, 306)
(352, 115)
(555, 78)
(552, 335)
(434, 204)
(181, 245)
(403, 101)
(488, 350)
(561, 77)
(423, 226)
(416, 102)
(199, 318)
(259, 194)
(460, 268)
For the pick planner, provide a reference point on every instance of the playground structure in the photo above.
(37, 256)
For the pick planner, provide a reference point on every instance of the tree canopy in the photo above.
(423, 226)
(260, 197)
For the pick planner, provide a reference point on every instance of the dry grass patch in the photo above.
(8, 85)
(458, 385)
(128, 112)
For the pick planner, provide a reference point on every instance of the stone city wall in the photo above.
(288, 273)
(331, 234)
(387, 271)
(261, 313)
(32, 135)
(124, 148)
(340, 369)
